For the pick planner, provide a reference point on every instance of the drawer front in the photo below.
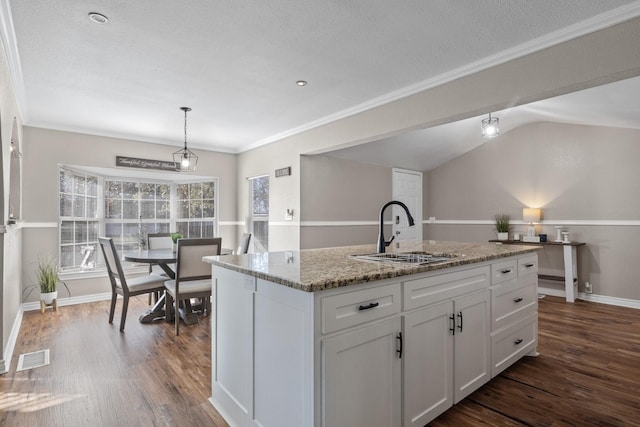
(504, 271)
(432, 289)
(353, 308)
(512, 343)
(528, 266)
(512, 301)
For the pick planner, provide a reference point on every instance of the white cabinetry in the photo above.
(447, 352)
(514, 311)
(395, 352)
(362, 376)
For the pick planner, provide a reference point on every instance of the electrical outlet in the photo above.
(588, 288)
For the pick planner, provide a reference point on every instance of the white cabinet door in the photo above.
(427, 363)
(362, 377)
(472, 364)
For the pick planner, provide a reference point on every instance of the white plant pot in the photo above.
(174, 248)
(49, 297)
(503, 236)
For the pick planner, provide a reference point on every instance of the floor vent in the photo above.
(33, 360)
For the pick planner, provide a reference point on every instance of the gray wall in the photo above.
(334, 192)
(10, 235)
(44, 149)
(583, 177)
(601, 57)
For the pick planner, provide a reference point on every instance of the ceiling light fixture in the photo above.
(301, 82)
(184, 158)
(98, 18)
(490, 127)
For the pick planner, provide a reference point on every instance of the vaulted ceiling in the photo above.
(236, 64)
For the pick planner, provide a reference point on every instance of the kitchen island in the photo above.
(322, 338)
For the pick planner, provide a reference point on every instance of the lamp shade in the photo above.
(530, 215)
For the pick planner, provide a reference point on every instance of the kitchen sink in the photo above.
(416, 258)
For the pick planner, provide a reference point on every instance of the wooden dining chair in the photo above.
(158, 241)
(193, 276)
(243, 248)
(119, 283)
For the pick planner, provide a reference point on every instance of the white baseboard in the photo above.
(600, 299)
(11, 343)
(603, 299)
(29, 306)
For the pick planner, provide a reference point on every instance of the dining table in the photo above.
(164, 258)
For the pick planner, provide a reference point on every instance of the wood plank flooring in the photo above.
(588, 373)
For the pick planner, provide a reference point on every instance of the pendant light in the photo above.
(490, 127)
(184, 158)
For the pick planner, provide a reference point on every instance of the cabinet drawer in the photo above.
(432, 289)
(353, 308)
(528, 266)
(503, 271)
(510, 344)
(512, 301)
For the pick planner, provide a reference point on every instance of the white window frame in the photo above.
(139, 178)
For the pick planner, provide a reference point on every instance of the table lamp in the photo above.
(529, 216)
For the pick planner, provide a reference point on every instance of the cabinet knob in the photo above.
(518, 341)
(529, 265)
(505, 271)
(517, 300)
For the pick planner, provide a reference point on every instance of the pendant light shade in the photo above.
(184, 158)
(490, 127)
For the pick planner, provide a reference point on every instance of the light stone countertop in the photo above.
(312, 270)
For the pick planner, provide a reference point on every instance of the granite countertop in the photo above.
(312, 270)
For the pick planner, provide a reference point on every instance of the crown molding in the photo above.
(8, 37)
(599, 22)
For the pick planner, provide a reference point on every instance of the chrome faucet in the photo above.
(382, 244)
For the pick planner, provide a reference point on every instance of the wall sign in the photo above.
(283, 172)
(132, 162)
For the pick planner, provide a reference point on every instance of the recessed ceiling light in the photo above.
(301, 82)
(98, 18)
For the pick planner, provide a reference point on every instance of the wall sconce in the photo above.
(15, 153)
(529, 216)
(490, 127)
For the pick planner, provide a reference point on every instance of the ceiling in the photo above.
(236, 64)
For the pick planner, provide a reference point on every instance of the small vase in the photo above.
(174, 248)
(49, 297)
(503, 236)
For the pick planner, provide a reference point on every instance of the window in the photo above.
(196, 209)
(133, 209)
(79, 219)
(259, 212)
(126, 210)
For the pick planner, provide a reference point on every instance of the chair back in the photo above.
(190, 252)
(112, 261)
(159, 241)
(244, 243)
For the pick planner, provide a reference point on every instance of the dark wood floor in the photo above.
(588, 373)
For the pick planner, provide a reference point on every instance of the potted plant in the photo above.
(48, 280)
(175, 237)
(503, 226)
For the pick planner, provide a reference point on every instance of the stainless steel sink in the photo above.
(418, 258)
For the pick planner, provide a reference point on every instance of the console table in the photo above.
(570, 251)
